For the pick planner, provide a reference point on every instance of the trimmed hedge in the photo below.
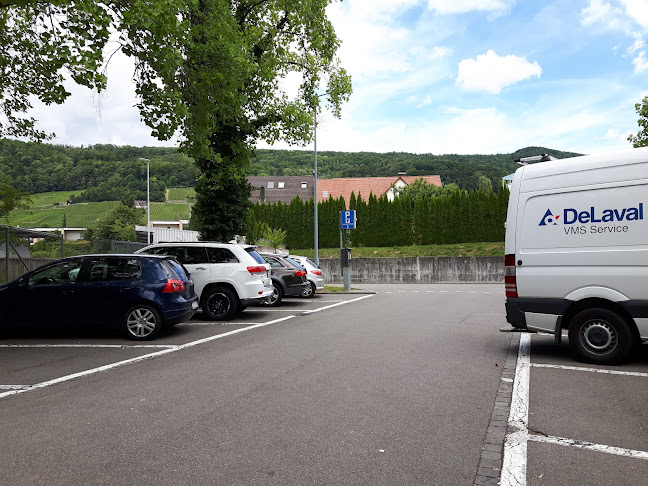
(462, 217)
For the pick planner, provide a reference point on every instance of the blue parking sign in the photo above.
(348, 219)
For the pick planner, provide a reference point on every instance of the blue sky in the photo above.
(448, 76)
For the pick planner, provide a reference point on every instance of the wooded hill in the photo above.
(110, 173)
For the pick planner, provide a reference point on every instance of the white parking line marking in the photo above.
(514, 463)
(216, 323)
(590, 370)
(138, 359)
(578, 444)
(87, 346)
(166, 350)
(13, 387)
(339, 303)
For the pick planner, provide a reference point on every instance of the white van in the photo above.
(577, 252)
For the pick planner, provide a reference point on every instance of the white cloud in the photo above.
(637, 10)
(640, 63)
(616, 14)
(600, 11)
(463, 6)
(491, 73)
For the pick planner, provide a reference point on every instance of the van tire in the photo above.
(219, 304)
(601, 336)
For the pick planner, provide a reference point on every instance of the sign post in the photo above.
(347, 222)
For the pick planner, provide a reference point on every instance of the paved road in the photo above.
(396, 388)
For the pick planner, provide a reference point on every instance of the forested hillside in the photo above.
(109, 173)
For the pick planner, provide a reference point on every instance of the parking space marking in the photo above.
(137, 359)
(578, 444)
(590, 370)
(514, 463)
(163, 349)
(335, 305)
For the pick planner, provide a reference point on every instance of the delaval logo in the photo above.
(549, 218)
(571, 216)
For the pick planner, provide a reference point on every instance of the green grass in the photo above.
(76, 215)
(169, 211)
(456, 250)
(49, 198)
(181, 194)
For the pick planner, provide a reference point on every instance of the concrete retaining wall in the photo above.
(417, 269)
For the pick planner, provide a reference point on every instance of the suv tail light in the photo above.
(316, 272)
(510, 280)
(300, 273)
(173, 285)
(256, 270)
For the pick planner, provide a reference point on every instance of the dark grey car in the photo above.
(288, 278)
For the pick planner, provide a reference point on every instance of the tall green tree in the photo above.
(119, 224)
(218, 72)
(41, 42)
(641, 138)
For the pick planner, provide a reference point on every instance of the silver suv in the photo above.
(227, 277)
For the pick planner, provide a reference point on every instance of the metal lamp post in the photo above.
(315, 189)
(148, 201)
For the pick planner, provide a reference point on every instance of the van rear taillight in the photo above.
(510, 281)
(256, 270)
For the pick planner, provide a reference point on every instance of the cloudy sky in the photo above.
(448, 76)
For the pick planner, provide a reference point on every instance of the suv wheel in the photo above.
(219, 304)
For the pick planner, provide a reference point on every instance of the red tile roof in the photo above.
(364, 186)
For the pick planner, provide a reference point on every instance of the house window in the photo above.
(270, 185)
(281, 185)
(325, 194)
(304, 185)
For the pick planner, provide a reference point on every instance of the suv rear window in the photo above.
(258, 258)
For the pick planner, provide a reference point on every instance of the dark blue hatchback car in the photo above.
(139, 293)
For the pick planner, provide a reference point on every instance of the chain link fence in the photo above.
(23, 250)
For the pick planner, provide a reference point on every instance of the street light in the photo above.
(315, 188)
(148, 201)
(315, 175)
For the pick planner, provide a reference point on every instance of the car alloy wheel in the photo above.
(219, 303)
(143, 322)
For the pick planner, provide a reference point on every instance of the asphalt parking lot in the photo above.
(409, 384)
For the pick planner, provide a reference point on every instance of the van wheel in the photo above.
(601, 336)
(219, 304)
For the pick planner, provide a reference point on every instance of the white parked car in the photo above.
(227, 277)
(314, 275)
